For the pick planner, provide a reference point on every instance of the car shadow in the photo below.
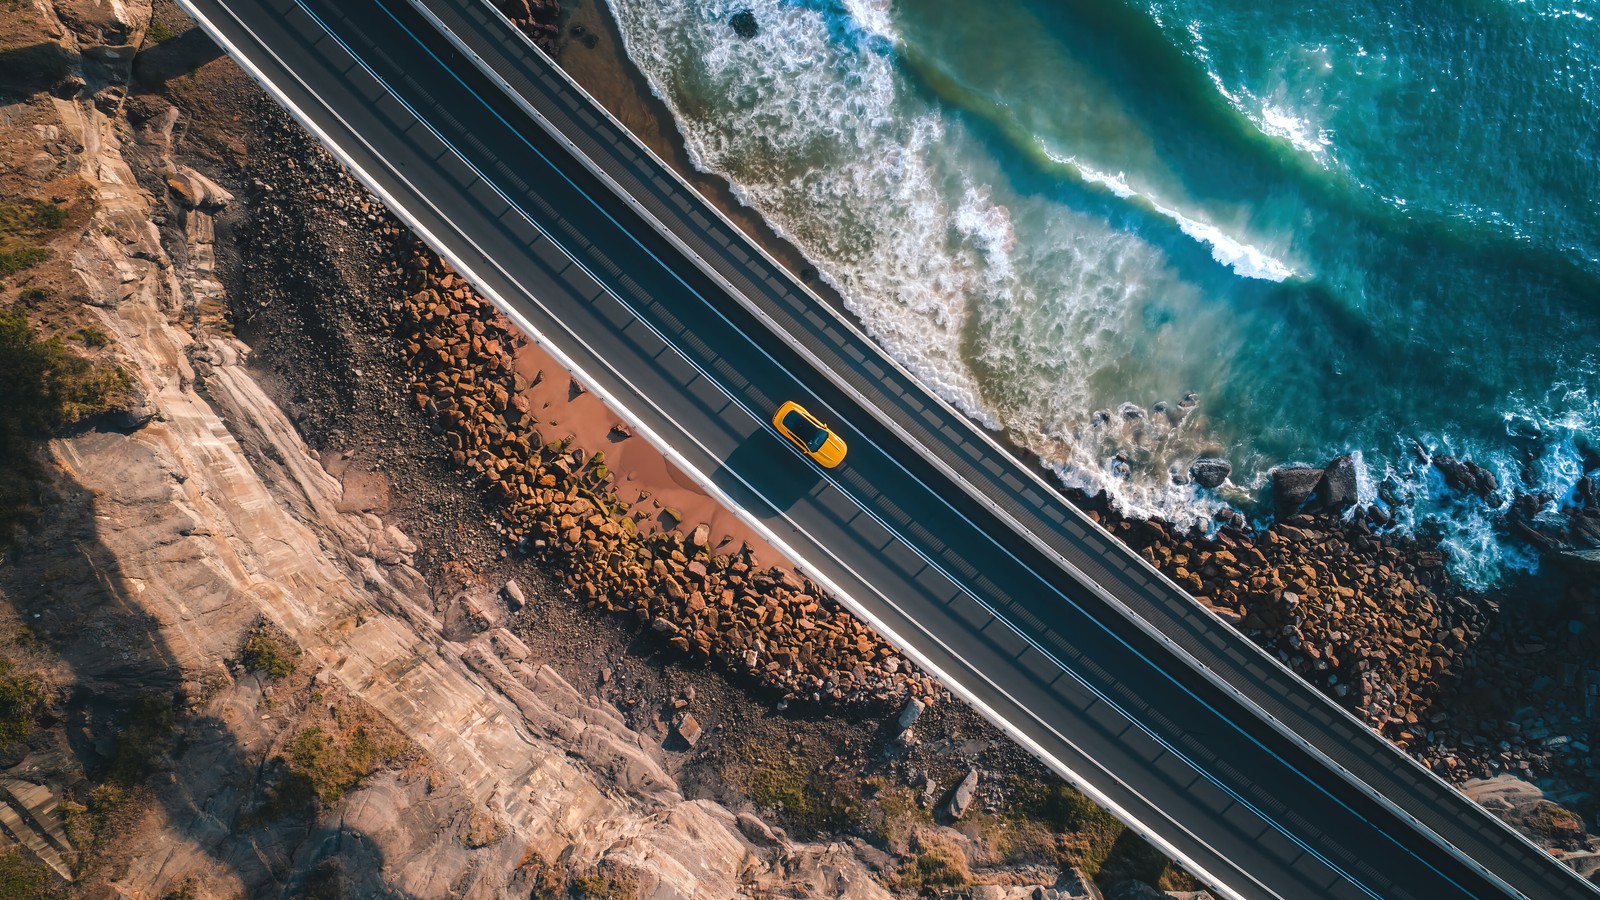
(765, 476)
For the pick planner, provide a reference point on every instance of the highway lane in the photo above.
(875, 513)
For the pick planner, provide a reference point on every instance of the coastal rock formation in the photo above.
(1292, 486)
(1209, 473)
(1373, 623)
(1467, 476)
(1337, 489)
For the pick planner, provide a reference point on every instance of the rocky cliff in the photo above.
(200, 519)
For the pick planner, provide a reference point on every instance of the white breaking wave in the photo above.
(1242, 258)
(882, 193)
(1019, 309)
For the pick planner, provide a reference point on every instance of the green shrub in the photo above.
(294, 793)
(22, 878)
(602, 886)
(21, 259)
(158, 31)
(20, 697)
(262, 653)
(93, 336)
(336, 764)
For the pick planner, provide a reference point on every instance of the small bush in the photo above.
(158, 32)
(262, 653)
(185, 890)
(936, 865)
(336, 764)
(602, 886)
(21, 259)
(294, 793)
(93, 336)
(22, 878)
(20, 697)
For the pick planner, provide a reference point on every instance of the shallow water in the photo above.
(1345, 227)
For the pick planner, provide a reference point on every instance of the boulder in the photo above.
(1293, 486)
(1210, 472)
(758, 832)
(908, 715)
(195, 191)
(515, 599)
(961, 797)
(689, 729)
(1337, 487)
(131, 416)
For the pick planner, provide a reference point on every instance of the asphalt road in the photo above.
(958, 553)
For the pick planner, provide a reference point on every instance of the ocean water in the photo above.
(1356, 227)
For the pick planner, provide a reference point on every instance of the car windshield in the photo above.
(805, 432)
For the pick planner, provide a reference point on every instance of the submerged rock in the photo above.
(1210, 472)
(744, 24)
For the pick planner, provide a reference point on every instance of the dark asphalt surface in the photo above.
(955, 549)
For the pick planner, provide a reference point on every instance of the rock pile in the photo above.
(1373, 621)
(556, 501)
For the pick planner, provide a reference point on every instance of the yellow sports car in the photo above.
(811, 436)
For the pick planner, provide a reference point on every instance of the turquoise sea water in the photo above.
(1346, 227)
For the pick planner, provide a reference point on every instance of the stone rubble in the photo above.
(557, 502)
